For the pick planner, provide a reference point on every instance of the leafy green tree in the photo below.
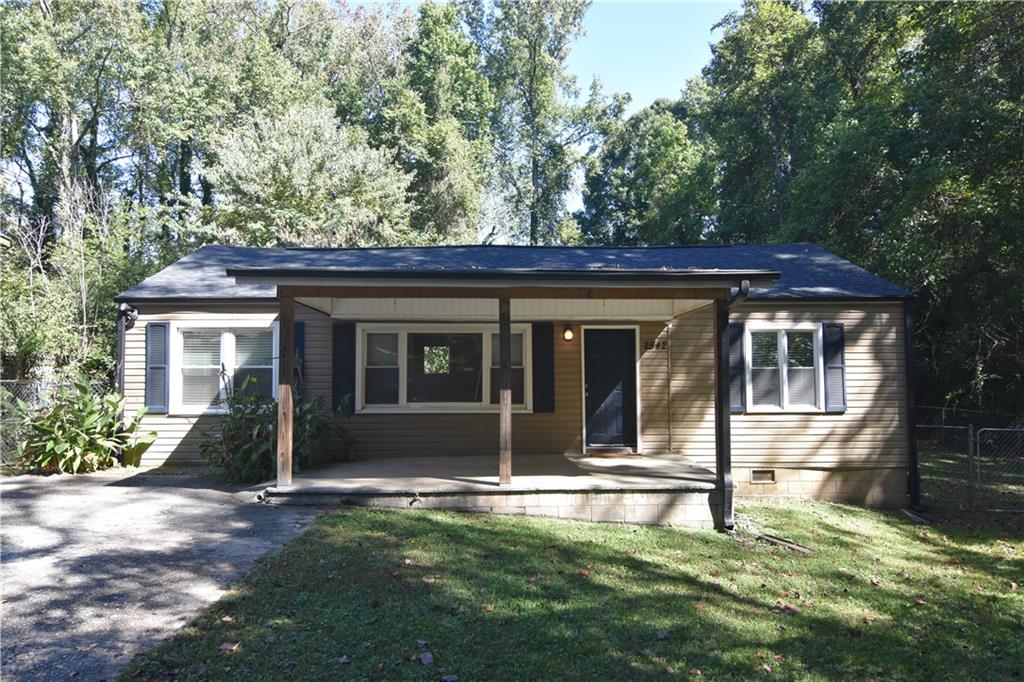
(768, 97)
(651, 183)
(540, 126)
(303, 179)
(441, 128)
(64, 68)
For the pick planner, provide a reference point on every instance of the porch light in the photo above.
(567, 332)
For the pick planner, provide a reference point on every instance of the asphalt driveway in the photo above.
(97, 568)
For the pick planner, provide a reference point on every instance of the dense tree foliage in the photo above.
(890, 133)
(134, 132)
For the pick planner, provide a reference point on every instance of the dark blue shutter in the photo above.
(543, 357)
(343, 361)
(737, 370)
(157, 353)
(833, 342)
(300, 350)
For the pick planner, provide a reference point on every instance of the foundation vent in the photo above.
(762, 475)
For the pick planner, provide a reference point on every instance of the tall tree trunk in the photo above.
(534, 193)
(185, 168)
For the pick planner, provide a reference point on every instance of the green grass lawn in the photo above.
(365, 593)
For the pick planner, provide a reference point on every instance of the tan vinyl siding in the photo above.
(676, 396)
(178, 437)
(872, 432)
(690, 395)
(404, 435)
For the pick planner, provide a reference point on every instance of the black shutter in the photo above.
(157, 352)
(834, 342)
(300, 350)
(343, 361)
(543, 367)
(737, 370)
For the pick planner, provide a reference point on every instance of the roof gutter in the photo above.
(742, 291)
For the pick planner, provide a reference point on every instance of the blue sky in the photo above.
(649, 49)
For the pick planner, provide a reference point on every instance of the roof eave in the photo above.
(498, 278)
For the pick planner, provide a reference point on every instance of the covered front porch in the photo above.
(641, 488)
(669, 490)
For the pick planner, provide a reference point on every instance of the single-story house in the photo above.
(775, 370)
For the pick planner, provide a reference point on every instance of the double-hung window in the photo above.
(208, 361)
(784, 367)
(438, 367)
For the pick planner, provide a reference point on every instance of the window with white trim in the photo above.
(784, 367)
(434, 367)
(207, 362)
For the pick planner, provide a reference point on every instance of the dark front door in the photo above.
(609, 376)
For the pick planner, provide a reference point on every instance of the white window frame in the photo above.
(780, 328)
(227, 355)
(403, 331)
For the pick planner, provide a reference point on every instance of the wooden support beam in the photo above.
(505, 391)
(352, 291)
(285, 376)
(723, 437)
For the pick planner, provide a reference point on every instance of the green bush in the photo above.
(244, 442)
(81, 432)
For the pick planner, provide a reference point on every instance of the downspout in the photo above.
(914, 474)
(723, 435)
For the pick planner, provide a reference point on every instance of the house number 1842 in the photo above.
(655, 344)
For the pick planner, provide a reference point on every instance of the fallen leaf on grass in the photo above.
(954, 561)
(662, 634)
(450, 678)
(227, 619)
(1014, 586)
(919, 601)
(344, 660)
(696, 672)
(422, 643)
(426, 658)
(229, 646)
(583, 573)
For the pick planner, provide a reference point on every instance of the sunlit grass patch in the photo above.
(364, 594)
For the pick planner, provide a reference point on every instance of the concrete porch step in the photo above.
(689, 505)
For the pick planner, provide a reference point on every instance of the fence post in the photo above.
(971, 443)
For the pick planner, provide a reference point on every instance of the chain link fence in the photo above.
(971, 461)
(36, 394)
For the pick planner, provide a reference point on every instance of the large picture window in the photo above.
(438, 367)
(784, 367)
(209, 361)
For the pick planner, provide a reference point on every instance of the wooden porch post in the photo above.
(285, 376)
(723, 438)
(505, 391)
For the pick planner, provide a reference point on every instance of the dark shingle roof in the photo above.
(806, 271)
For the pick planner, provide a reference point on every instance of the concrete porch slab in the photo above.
(479, 474)
(645, 490)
